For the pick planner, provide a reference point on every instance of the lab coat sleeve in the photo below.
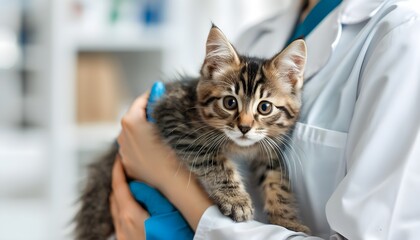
(215, 226)
(379, 196)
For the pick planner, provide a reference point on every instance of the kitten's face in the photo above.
(250, 99)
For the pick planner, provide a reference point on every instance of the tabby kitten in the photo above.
(238, 106)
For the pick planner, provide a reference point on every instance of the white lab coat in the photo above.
(355, 164)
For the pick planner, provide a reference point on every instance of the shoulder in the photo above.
(394, 13)
(392, 47)
(395, 25)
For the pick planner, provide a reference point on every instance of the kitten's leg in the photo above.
(279, 202)
(222, 181)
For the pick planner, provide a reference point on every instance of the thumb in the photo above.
(152, 199)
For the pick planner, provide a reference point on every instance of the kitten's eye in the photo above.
(230, 103)
(265, 108)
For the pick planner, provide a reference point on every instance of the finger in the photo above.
(120, 141)
(118, 177)
(138, 108)
(113, 207)
(115, 217)
(152, 199)
(120, 188)
(115, 211)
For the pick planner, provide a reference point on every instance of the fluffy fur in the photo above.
(239, 106)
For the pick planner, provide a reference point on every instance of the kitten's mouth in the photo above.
(244, 141)
(240, 139)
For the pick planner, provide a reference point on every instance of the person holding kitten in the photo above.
(356, 146)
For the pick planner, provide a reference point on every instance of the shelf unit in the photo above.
(52, 145)
(142, 54)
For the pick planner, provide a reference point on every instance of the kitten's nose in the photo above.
(244, 129)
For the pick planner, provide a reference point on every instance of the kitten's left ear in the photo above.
(219, 53)
(290, 63)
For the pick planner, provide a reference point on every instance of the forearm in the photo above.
(184, 191)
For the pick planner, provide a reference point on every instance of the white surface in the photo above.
(23, 163)
(24, 219)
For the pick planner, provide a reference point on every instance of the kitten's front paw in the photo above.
(238, 208)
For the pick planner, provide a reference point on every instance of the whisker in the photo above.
(281, 156)
(287, 144)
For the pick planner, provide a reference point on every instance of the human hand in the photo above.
(163, 215)
(145, 157)
(141, 149)
(132, 222)
(128, 216)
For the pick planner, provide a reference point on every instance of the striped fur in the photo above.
(192, 118)
(210, 119)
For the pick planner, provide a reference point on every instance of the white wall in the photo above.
(231, 16)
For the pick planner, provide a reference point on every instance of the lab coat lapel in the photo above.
(274, 33)
(271, 35)
(322, 41)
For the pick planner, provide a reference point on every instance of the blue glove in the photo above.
(157, 91)
(165, 222)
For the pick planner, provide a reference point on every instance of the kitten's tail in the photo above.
(94, 221)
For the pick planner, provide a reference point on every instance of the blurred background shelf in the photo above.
(153, 39)
(69, 69)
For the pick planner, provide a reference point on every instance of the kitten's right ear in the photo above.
(219, 53)
(290, 63)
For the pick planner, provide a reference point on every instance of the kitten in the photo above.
(238, 106)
